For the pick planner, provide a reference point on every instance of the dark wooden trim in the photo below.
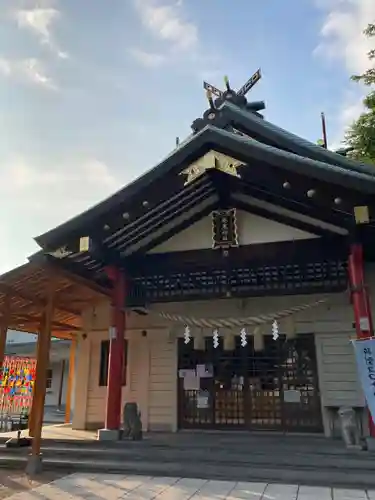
(333, 218)
(277, 253)
(150, 226)
(177, 229)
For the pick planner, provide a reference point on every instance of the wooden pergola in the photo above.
(47, 301)
(24, 294)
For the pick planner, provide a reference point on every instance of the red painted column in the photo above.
(360, 301)
(116, 350)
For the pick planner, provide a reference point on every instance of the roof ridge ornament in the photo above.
(246, 87)
(212, 160)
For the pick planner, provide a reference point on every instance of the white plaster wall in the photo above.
(251, 230)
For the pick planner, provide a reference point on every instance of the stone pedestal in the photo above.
(108, 435)
(370, 443)
(34, 465)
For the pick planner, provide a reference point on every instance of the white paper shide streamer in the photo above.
(275, 330)
(187, 337)
(243, 337)
(215, 338)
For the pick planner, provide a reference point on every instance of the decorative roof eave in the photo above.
(300, 146)
(247, 149)
(244, 149)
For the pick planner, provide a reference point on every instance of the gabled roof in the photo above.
(279, 169)
(339, 171)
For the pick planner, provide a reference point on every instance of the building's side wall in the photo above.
(152, 356)
(52, 394)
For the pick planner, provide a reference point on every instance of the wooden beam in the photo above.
(177, 229)
(33, 402)
(44, 345)
(74, 273)
(25, 318)
(329, 217)
(71, 376)
(33, 329)
(8, 289)
(4, 325)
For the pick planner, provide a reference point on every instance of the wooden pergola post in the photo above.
(69, 389)
(34, 464)
(4, 324)
(32, 409)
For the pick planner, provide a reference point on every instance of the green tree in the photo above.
(361, 134)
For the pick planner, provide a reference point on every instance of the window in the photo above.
(49, 379)
(104, 362)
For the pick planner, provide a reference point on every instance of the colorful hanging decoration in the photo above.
(17, 378)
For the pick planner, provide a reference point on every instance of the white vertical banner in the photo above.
(365, 356)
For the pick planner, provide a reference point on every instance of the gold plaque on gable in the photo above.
(84, 244)
(361, 215)
(211, 160)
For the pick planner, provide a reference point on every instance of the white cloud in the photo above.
(148, 59)
(342, 40)
(166, 22)
(39, 21)
(30, 70)
(18, 177)
(36, 196)
(52, 193)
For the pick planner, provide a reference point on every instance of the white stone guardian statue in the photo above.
(349, 427)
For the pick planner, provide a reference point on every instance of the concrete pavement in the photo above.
(116, 487)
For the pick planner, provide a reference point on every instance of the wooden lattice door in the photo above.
(273, 389)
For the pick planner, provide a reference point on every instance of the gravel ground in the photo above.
(12, 482)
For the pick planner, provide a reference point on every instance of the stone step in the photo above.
(287, 474)
(275, 446)
(350, 461)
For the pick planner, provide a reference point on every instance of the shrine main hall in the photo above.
(219, 290)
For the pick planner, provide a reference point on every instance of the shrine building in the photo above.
(227, 282)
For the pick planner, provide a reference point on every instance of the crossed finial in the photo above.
(246, 87)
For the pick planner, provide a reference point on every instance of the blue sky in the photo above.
(93, 93)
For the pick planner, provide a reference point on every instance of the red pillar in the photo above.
(116, 350)
(360, 301)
